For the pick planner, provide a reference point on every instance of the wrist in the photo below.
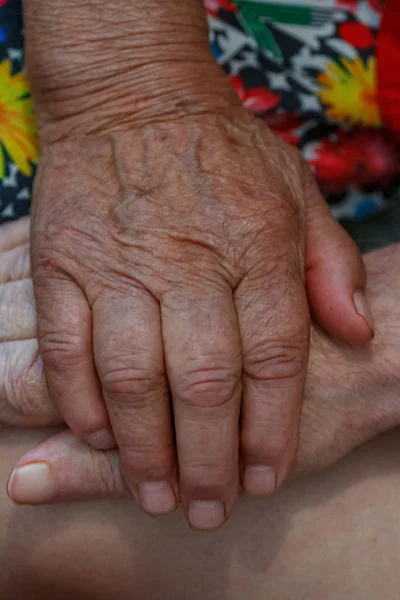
(93, 68)
(106, 105)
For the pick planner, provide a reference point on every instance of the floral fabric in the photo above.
(19, 148)
(307, 67)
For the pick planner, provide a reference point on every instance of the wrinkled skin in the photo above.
(175, 242)
(182, 248)
(351, 394)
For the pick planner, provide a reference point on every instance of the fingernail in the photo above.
(259, 480)
(363, 309)
(206, 515)
(32, 484)
(157, 497)
(102, 440)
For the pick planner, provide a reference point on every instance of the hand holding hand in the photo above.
(351, 394)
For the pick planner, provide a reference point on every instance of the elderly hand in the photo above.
(351, 394)
(168, 265)
(173, 241)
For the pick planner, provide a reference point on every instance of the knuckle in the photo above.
(62, 351)
(136, 384)
(208, 386)
(277, 257)
(275, 360)
(48, 261)
(58, 259)
(105, 469)
(282, 269)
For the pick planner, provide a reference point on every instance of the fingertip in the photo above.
(364, 311)
(206, 515)
(259, 480)
(64, 469)
(31, 484)
(336, 294)
(343, 314)
(102, 440)
(336, 277)
(157, 498)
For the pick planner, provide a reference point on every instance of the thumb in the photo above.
(64, 469)
(335, 274)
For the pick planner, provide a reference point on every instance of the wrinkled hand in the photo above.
(168, 267)
(351, 395)
(171, 236)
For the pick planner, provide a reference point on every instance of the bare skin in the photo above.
(177, 247)
(343, 405)
(332, 535)
(328, 536)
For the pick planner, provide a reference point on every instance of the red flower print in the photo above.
(348, 3)
(378, 5)
(364, 158)
(356, 34)
(214, 6)
(256, 100)
(284, 124)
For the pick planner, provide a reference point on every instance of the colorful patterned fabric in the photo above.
(388, 72)
(19, 148)
(307, 67)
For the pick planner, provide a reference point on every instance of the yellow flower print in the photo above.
(17, 122)
(348, 90)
